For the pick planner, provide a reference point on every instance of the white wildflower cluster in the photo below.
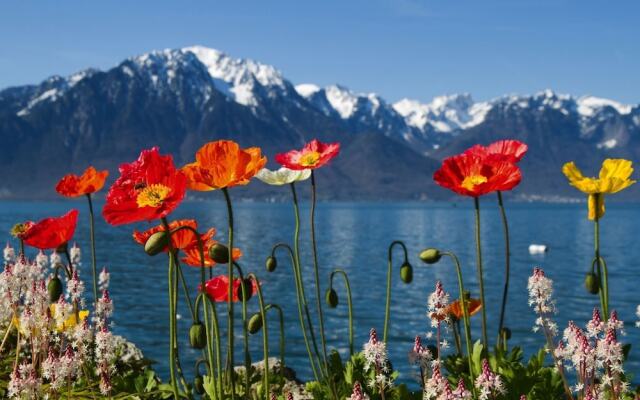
(358, 394)
(9, 254)
(489, 384)
(375, 354)
(437, 308)
(57, 339)
(595, 354)
(103, 279)
(76, 256)
(420, 354)
(541, 300)
(438, 387)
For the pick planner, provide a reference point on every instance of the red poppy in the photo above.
(473, 175)
(509, 150)
(51, 233)
(473, 306)
(313, 155)
(192, 253)
(147, 189)
(217, 288)
(180, 239)
(89, 182)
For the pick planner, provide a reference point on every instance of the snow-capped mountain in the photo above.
(180, 98)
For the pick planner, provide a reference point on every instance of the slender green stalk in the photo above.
(298, 272)
(316, 267)
(312, 360)
(387, 308)
(265, 336)
(602, 275)
(230, 358)
(93, 250)
(183, 282)
(172, 314)
(465, 312)
(282, 339)
(480, 274)
(507, 265)
(245, 330)
(349, 303)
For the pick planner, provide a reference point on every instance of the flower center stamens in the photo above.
(309, 159)
(152, 195)
(471, 181)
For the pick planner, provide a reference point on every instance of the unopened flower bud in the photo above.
(331, 298)
(219, 253)
(271, 263)
(198, 384)
(197, 336)
(54, 287)
(247, 284)
(156, 243)
(430, 256)
(592, 283)
(406, 273)
(255, 323)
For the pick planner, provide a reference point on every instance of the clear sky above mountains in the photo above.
(396, 48)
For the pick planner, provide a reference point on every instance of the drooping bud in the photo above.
(197, 336)
(63, 248)
(592, 283)
(430, 256)
(198, 384)
(271, 264)
(506, 333)
(54, 287)
(247, 284)
(156, 243)
(219, 253)
(255, 323)
(331, 297)
(406, 272)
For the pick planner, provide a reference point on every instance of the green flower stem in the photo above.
(602, 267)
(93, 250)
(183, 282)
(316, 271)
(265, 335)
(230, 357)
(455, 327)
(485, 342)
(312, 360)
(507, 268)
(349, 303)
(298, 272)
(172, 314)
(282, 341)
(465, 312)
(245, 330)
(387, 308)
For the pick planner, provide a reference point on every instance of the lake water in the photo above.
(355, 237)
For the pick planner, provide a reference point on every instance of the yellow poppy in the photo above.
(614, 177)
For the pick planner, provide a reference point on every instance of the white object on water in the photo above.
(537, 248)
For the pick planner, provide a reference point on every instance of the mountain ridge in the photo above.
(181, 98)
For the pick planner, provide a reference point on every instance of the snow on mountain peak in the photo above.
(307, 89)
(443, 113)
(590, 105)
(342, 100)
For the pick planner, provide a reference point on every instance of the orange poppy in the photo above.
(89, 182)
(473, 306)
(473, 175)
(192, 254)
(180, 239)
(223, 164)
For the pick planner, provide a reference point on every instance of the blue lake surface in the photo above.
(355, 237)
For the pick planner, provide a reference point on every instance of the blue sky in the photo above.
(402, 48)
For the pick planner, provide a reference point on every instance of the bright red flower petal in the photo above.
(313, 155)
(472, 175)
(181, 239)
(217, 288)
(147, 189)
(50, 233)
(510, 150)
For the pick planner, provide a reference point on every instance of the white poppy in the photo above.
(282, 176)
